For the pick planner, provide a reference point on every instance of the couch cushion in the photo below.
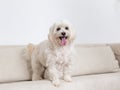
(12, 65)
(110, 81)
(94, 59)
(116, 50)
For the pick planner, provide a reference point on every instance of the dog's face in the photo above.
(61, 33)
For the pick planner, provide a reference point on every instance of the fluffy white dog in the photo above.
(53, 58)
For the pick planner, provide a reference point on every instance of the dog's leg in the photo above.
(37, 70)
(66, 73)
(51, 74)
(29, 68)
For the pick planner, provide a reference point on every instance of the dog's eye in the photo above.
(58, 29)
(66, 28)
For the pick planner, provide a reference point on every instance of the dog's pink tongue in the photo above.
(63, 41)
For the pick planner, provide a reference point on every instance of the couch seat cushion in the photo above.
(109, 81)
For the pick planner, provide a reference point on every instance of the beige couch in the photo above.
(14, 74)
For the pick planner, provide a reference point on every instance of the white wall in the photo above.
(24, 21)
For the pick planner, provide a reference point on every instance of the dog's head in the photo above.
(61, 33)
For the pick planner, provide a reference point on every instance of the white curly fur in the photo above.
(51, 58)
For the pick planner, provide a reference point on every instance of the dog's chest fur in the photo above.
(62, 57)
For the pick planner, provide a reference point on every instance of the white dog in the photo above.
(53, 58)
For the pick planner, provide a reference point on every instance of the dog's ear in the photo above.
(73, 34)
(50, 35)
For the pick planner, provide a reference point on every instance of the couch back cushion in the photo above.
(88, 60)
(116, 50)
(13, 66)
(93, 59)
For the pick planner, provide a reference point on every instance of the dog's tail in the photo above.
(28, 51)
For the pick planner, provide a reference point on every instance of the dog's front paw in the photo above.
(67, 78)
(56, 83)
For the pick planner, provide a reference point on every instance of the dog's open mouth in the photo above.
(63, 40)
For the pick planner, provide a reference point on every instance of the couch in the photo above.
(14, 73)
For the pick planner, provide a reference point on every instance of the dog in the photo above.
(52, 58)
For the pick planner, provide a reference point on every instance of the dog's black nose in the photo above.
(63, 33)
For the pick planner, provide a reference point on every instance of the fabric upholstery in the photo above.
(109, 81)
(116, 50)
(94, 59)
(13, 66)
